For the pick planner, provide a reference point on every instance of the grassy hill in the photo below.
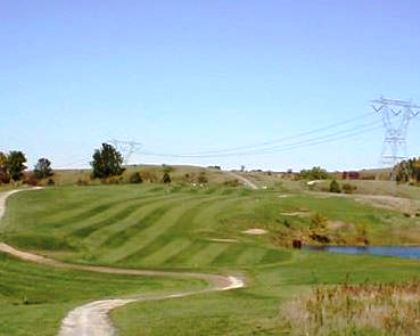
(192, 227)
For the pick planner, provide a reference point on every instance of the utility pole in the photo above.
(127, 148)
(396, 116)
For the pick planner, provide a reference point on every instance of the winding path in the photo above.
(244, 180)
(92, 319)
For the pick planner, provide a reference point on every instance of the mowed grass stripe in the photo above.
(115, 214)
(206, 219)
(91, 212)
(229, 255)
(251, 256)
(177, 229)
(169, 250)
(139, 218)
(206, 255)
(182, 256)
(143, 236)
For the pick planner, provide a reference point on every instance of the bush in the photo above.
(149, 176)
(349, 188)
(232, 183)
(135, 178)
(202, 178)
(50, 182)
(335, 187)
(166, 178)
(31, 180)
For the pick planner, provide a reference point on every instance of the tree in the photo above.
(43, 168)
(107, 162)
(316, 173)
(335, 187)
(15, 164)
(4, 174)
(166, 178)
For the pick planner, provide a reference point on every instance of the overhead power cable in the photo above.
(338, 135)
(287, 138)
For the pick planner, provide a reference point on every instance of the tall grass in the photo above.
(364, 309)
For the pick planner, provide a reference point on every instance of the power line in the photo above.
(286, 138)
(339, 135)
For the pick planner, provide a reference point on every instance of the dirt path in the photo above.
(244, 180)
(92, 319)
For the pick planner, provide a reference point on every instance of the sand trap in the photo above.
(223, 240)
(283, 196)
(255, 231)
(293, 213)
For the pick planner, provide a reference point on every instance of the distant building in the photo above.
(351, 175)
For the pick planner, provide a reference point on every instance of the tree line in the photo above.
(12, 167)
(408, 171)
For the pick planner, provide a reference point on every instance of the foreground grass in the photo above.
(368, 309)
(255, 310)
(34, 298)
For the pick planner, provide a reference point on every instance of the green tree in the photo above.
(166, 178)
(16, 164)
(4, 173)
(316, 173)
(43, 168)
(335, 187)
(107, 162)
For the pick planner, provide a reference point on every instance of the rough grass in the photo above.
(364, 309)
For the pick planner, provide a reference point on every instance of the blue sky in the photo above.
(191, 76)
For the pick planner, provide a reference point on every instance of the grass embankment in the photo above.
(34, 299)
(201, 229)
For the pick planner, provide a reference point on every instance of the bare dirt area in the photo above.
(92, 319)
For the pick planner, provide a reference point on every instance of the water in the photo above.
(409, 252)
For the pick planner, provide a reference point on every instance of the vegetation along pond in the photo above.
(410, 252)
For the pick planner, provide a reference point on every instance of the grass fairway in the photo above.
(201, 229)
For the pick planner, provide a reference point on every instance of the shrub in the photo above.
(135, 178)
(335, 187)
(349, 188)
(202, 178)
(232, 183)
(31, 180)
(50, 182)
(166, 178)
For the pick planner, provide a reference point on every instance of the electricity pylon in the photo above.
(396, 116)
(127, 148)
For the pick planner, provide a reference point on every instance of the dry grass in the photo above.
(368, 309)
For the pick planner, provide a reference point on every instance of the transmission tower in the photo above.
(127, 148)
(396, 115)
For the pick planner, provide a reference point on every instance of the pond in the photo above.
(409, 252)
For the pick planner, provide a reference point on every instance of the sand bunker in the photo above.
(255, 231)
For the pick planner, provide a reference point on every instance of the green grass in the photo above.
(144, 226)
(35, 298)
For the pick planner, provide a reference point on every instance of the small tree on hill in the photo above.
(335, 187)
(107, 162)
(16, 164)
(43, 168)
(166, 178)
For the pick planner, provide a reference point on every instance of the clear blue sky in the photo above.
(189, 76)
